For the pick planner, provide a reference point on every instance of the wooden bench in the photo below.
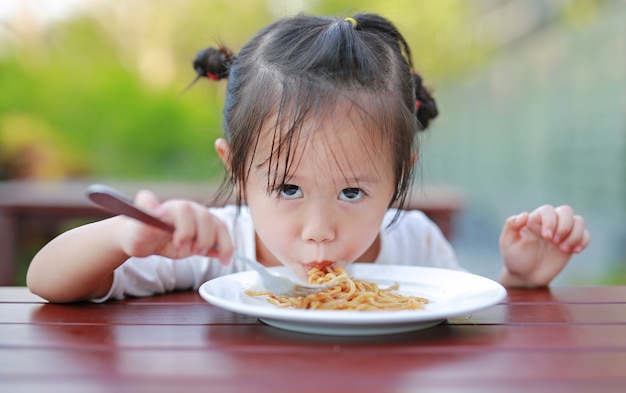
(40, 210)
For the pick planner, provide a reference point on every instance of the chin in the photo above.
(301, 271)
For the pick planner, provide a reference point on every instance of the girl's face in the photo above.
(330, 206)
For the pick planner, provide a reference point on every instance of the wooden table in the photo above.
(557, 340)
(41, 209)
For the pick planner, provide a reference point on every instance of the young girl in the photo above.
(321, 118)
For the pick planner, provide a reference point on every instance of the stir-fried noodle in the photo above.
(348, 294)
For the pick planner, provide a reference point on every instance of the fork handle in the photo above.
(115, 202)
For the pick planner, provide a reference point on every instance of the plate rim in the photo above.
(344, 318)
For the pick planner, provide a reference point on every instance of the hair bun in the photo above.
(213, 63)
(425, 105)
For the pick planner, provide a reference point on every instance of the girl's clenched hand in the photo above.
(197, 231)
(536, 246)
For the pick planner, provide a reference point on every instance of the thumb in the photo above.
(147, 200)
(512, 226)
(517, 222)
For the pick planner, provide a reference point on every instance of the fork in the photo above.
(281, 285)
(278, 284)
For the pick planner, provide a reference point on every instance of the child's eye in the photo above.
(351, 194)
(289, 191)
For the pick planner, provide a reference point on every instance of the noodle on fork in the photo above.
(348, 294)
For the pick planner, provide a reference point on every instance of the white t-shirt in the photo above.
(412, 240)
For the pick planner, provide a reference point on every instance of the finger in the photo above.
(511, 230)
(207, 237)
(224, 247)
(205, 233)
(564, 224)
(543, 221)
(584, 243)
(516, 222)
(182, 215)
(576, 237)
(147, 200)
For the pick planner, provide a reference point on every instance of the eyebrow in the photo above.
(263, 168)
(289, 178)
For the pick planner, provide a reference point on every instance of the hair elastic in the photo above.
(418, 105)
(352, 21)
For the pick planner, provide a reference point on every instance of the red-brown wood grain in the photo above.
(558, 339)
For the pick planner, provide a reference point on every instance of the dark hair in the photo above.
(300, 67)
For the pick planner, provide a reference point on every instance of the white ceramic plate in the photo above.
(450, 293)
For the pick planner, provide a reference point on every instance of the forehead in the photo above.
(340, 139)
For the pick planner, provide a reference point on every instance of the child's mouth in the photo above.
(319, 264)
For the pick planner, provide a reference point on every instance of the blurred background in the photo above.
(532, 98)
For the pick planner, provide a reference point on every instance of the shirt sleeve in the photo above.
(156, 274)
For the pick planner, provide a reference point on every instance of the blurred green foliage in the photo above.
(99, 94)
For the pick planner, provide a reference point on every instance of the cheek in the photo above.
(270, 223)
(362, 233)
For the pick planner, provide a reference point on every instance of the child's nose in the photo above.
(319, 224)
